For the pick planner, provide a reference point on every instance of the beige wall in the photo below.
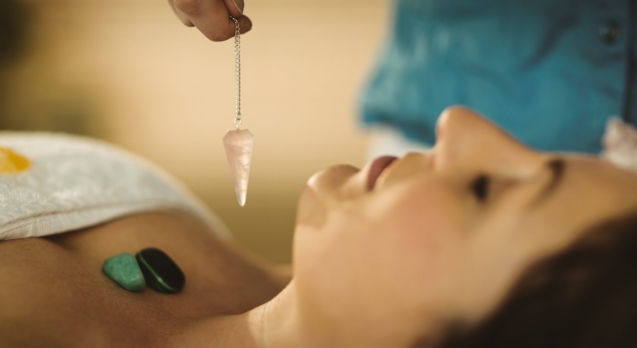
(165, 92)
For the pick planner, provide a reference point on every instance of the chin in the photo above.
(310, 211)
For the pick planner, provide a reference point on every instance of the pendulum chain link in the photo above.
(237, 72)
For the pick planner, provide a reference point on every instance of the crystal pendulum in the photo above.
(238, 142)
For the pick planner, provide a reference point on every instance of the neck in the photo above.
(270, 325)
(277, 324)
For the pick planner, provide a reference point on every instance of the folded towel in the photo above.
(75, 182)
(620, 144)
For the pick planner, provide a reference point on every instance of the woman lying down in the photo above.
(481, 242)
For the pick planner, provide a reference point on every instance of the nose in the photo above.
(468, 142)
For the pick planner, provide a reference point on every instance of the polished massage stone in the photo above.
(161, 272)
(12, 162)
(124, 270)
(238, 144)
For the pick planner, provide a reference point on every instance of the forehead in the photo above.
(591, 191)
(598, 178)
(513, 237)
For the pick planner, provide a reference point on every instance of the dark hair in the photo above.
(585, 296)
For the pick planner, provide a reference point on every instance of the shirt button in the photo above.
(609, 32)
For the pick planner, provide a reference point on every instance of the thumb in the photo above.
(235, 7)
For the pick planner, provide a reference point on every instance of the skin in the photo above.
(54, 293)
(212, 17)
(384, 267)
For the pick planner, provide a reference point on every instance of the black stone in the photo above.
(160, 271)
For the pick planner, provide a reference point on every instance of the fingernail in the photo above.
(239, 4)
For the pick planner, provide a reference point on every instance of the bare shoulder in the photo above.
(53, 289)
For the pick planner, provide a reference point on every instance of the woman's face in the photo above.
(442, 235)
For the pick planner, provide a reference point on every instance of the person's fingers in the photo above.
(213, 32)
(245, 24)
(235, 7)
(182, 16)
(212, 17)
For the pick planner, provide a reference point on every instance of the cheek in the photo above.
(394, 255)
(421, 229)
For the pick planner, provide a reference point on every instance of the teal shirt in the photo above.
(551, 72)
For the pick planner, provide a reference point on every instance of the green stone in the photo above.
(124, 270)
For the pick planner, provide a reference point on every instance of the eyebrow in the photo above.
(557, 168)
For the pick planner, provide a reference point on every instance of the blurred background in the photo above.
(128, 72)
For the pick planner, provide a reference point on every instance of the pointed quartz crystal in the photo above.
(238, 145)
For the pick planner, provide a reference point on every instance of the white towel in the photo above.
(620, 144)
(76, 182)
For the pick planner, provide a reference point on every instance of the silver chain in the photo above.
(237, 72)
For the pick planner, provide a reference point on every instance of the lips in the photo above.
(376, 169)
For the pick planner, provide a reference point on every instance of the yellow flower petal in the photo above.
(12, 162)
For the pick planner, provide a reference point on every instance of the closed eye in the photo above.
(480, 187)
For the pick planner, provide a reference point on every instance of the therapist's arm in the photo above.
(212, 17)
